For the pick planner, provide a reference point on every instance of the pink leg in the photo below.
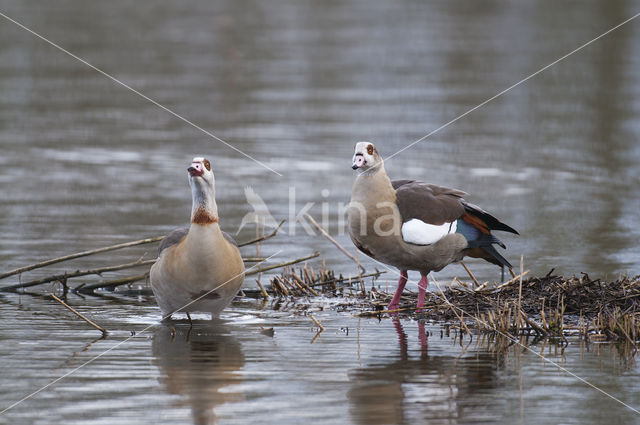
(395, 301)
(422, 290)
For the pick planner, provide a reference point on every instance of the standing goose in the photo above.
(199, 268)
(413, 225)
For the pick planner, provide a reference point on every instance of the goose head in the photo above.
(366, 157)
(202, 184)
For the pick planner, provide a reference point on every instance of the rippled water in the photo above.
(356, 371)
(86, 163)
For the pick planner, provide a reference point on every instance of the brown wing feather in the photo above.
(172, 238)
(427, 202)
(362, 248)
(397, 183)
(230, 239)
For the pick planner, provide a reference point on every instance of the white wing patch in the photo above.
(420, 233)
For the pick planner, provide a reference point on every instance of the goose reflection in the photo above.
(415, 388)
(196, 363)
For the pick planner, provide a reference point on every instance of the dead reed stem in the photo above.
(481, 287)
(74, 311)
(263, 238)
(333, 241)
(265, 295)
(288, 263)
(514, 279)
(518, 320)
(475, 281)
(304, 285)
(451, 306)
(316, 322)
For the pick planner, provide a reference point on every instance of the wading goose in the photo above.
(199, 268)
(413, 225)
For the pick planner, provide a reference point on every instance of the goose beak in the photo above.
(195, 170)
(358, 161)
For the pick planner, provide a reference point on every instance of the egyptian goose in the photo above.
(413, 225)
(199, 268)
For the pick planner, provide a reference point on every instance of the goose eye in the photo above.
(370, 149)
(207, 165)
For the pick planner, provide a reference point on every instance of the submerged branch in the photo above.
(78, 255)
(63, 277)
(88, 289)
(107, 249)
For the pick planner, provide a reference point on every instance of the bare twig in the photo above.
(276, 266)
(515, 279)
(77, 273)
(316, 322)
(74, 311)
(475, 281)
(253, 259)
(481, 287)
(301, 283)
(263, 238)
(317, 335)
(78, 255)
(451, 306)
(279, 287)
(333, 241)
(265, 295)
(533, 324)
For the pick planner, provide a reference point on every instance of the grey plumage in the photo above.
(172, 238)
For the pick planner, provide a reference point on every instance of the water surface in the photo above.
(87, 163)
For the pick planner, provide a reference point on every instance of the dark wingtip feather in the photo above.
(492, 222)
(498, 241)
(506, 228)
(495, 254)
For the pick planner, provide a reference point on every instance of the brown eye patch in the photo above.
(370, 149)
(207, 165)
